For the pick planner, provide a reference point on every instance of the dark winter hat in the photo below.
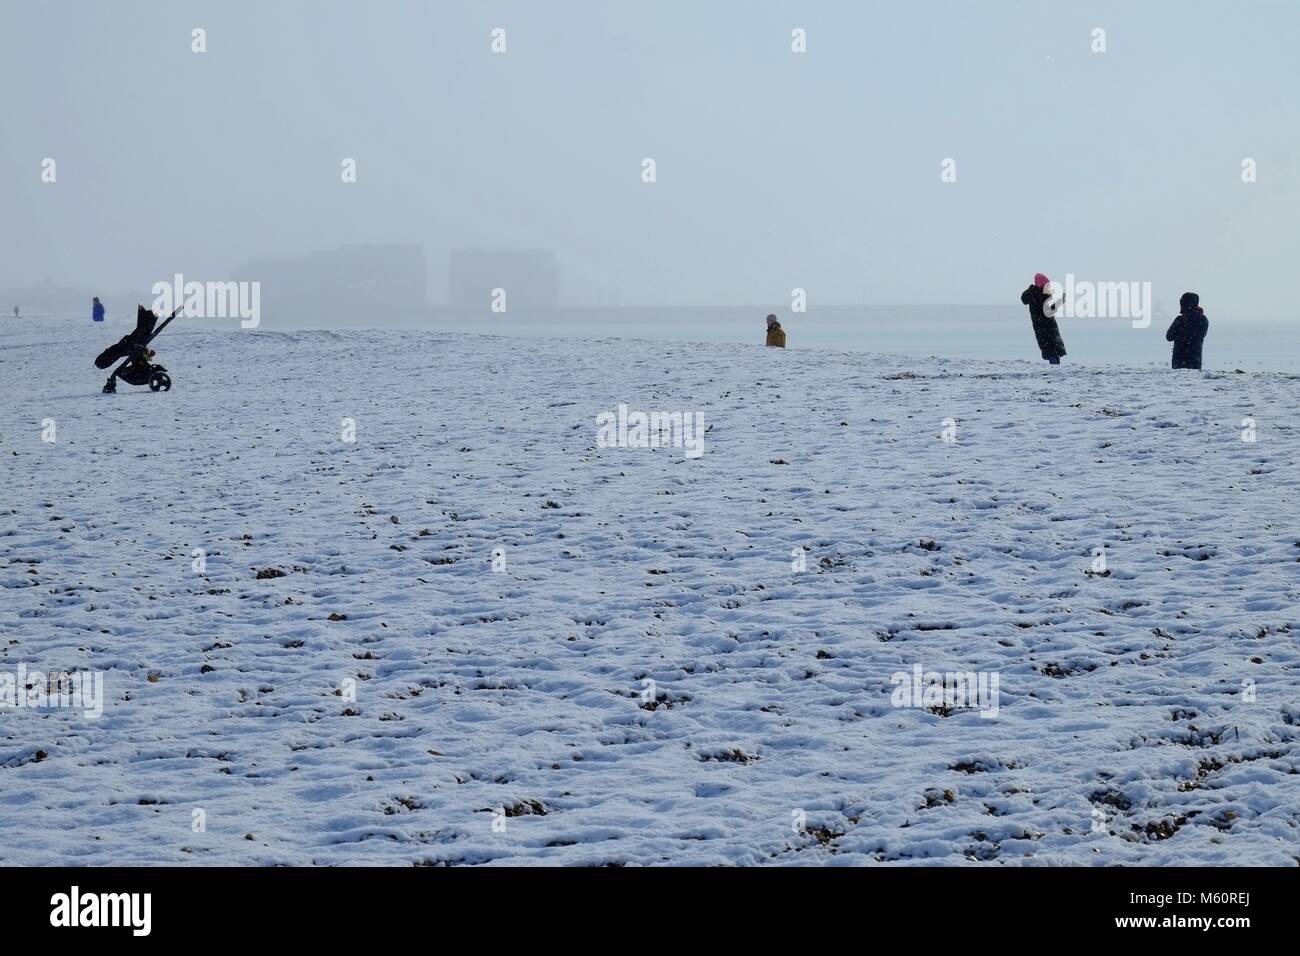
(771, 320)
(1189, 300)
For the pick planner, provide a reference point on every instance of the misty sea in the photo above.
(985, 332)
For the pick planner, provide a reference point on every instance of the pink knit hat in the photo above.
(1041, 280)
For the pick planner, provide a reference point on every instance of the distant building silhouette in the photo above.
(530, 278)
(348, 283)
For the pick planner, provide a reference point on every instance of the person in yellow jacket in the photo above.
(775, 334)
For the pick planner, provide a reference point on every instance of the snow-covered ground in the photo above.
(1148, 699)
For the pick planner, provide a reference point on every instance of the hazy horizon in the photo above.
(775, 170)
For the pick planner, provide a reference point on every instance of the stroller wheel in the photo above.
(160, 382)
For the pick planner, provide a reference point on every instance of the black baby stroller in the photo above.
(133, 349)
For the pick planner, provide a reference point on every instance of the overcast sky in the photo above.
(775, 169)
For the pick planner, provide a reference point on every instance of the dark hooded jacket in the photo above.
(1188, 333)
(1046, 331)
(130, 345)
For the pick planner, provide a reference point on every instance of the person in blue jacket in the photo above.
(1188, 332)
(97, 312)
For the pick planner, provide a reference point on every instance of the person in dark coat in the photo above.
(97, 311)
(1188, 332)
(1042, 313)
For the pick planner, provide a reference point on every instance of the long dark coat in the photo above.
(1188, 333)
(1046, 331)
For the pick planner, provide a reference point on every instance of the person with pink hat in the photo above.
(1042, 314)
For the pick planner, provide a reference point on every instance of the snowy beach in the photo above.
(383, 598)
